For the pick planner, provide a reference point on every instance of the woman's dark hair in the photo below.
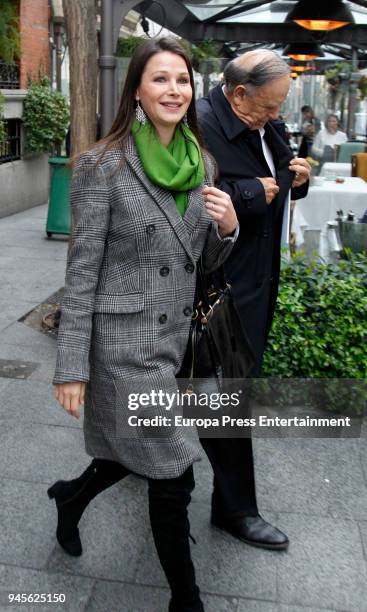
(124, 119)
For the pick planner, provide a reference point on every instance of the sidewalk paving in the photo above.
(315, 490)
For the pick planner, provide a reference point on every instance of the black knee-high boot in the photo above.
(73, 496)
(168, 502)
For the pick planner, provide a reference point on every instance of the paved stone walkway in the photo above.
(315, 490)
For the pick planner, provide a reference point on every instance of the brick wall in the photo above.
(35, 46)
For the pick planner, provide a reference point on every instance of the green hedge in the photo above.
(319, 337)
(46, 117)
(320, 323)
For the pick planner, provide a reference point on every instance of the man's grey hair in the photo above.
(269, 68)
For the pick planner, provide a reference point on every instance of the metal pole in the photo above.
(353, 95)
(107, 64)
(58, 50)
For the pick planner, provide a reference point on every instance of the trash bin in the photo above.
(59, 215)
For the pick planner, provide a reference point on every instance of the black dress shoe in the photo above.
(253, 530)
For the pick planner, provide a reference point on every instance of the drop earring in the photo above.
(185, 120)
(140, 114)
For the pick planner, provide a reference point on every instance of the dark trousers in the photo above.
(234, 479)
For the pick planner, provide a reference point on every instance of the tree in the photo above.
(81, 22)
(9, 32)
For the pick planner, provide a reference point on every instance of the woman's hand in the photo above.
(70, 396)
(220, 207)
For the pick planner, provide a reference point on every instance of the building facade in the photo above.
(24, 180)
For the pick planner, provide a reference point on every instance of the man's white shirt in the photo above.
(287, 208)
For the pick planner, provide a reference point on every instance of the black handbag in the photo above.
(218, 346)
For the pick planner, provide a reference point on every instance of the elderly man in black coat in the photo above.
(240, 126)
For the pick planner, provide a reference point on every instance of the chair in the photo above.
(359, 165)
(345, 151)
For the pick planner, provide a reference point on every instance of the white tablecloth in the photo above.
(336, 169)
(323, 201)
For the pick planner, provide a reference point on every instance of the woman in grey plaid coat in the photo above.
(144, 210)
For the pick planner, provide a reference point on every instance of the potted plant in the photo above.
(46, 118)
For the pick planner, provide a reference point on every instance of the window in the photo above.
(10, 149)
(9, 76)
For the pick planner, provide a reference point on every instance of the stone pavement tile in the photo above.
(324, 566)
(203, 481)
(5, 321)
(15, 309)
(224, 566)
(113, 530)
(316, 477)
(45, 372)
(40, 453)
(20, 580)
(284, 608)
(4, 382)
(13, 271)
(26, 224)
(16, 237)
(26, 534)
(363, 529)
(39, 211)
(117, 597)
(33, 402)
(214, 603)
(19, 253)
(19, 333)
(37, 353)
(250, 605)
(120, 597)
(36, 289)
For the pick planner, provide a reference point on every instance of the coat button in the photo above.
(187, 311)
(164, 271)
(163, 318)
(189, 267)
(150, 229)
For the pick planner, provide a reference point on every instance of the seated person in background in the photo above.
(310, 126)
(323, 147)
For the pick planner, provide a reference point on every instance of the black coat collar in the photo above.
(231, 124)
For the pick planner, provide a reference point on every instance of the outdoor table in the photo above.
(336, 169)
(322, 202)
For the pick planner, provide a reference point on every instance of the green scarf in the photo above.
(178, 167)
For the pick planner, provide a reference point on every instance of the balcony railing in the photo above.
(9, 76)
(10, 149)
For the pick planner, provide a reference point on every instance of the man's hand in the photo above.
(302, 170)
(70, 395)
(270, 187)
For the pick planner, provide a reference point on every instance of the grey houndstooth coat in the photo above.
(128, 300)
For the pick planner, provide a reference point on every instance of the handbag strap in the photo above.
(205, 281)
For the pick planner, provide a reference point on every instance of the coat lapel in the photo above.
(282, 156)
(164, 199)
(196, 207)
